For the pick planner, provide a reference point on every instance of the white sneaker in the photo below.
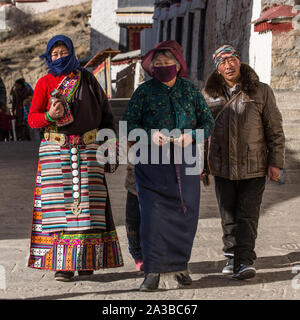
(228, 269)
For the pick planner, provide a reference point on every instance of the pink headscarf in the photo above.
(171, 45)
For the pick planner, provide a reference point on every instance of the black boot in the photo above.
(151, 282)
(64, 276)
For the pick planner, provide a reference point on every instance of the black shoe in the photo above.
(183, 279)
(244, 272)
(151, 282)
(85, 273)
(64, 276)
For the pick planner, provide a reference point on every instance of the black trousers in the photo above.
(239, 204)
(133, 222)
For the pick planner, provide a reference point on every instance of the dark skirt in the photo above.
(167, 232)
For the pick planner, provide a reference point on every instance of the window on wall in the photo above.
(134, 39)
(161, 31)
(200, 66)
(123, 39)
(179, 29)
(169, 28)
(189, 49)
(130, 37)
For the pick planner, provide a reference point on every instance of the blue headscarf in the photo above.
(64, 65)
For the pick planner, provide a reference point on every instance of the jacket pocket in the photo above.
(256, 158)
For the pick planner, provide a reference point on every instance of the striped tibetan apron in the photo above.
(72, 225)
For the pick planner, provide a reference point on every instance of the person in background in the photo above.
(3, 99)
(21, 98)
(5, 124)
(133, 219)
(246, 146)
(5, 117)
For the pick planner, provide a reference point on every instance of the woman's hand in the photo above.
(184, 140)
(56, 109)
(158, 138)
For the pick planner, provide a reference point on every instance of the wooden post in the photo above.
(108, 78)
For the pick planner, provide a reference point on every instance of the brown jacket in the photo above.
(248, 135)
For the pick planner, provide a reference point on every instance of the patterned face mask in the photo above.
(166, 73)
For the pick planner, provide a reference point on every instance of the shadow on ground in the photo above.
(210, 276)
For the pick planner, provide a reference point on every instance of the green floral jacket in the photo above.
(156, 106)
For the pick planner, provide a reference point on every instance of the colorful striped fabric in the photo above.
(57, 189)
(224, 52)
(70, 252)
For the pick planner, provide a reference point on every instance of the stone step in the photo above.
(292, 145)
(292, 154)
(292, 163)
(287, 99)
(292, 129)
(292, 176)
(290, 114)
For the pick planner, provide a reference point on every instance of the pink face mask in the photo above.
(165, 74)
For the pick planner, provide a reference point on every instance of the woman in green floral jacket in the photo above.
(168, 196)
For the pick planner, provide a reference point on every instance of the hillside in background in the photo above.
(20, 50)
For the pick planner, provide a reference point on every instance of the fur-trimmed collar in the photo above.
(249, 81)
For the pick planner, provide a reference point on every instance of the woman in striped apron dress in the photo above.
(73, 228)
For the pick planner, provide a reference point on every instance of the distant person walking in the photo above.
(21, 100)
(3, 99)
(5, 117)
(5, 124)
(246, 145)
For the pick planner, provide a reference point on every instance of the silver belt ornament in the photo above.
(75, 165)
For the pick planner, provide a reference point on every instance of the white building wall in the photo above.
(40, 7)
(260, 50)
(3, 18)
(105, 31)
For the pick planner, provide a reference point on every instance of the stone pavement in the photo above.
(278, 246)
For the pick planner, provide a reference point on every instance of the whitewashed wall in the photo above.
(105, 31)
(260, 50)
(3, 17)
